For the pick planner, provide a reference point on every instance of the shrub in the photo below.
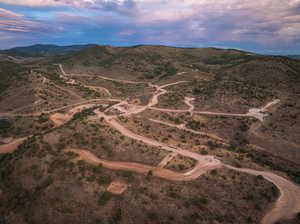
(173, 195)
(259, 177)
(204, 152)
(104, 180)
(214, 172)
(104, 198)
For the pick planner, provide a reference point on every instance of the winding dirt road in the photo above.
(59, 119)
(66, 76)
(59, 108)
(167, 174)
(188, 101)
(287, 205)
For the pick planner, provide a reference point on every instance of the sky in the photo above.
(264, 26)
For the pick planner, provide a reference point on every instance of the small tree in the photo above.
(149, 175)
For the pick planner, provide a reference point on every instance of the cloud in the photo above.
(235, 23)
(6, 13)
(17, 29)
(10, 21)
(265, 22)
(104, 4)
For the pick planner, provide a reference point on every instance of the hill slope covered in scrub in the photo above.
(149, 134)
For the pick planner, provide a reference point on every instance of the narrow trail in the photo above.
(70, 92)
(182, 127)
(272, 103)
(102, 77)
(62, 71)
(167, 159)
(66, 76)
(120, 80)
(169, 110)
(287, 205)
(199, 112)
(258, 113)
(101, 89)
(130, 109)
(188, 101)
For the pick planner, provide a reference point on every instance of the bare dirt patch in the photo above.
(117, 187)
(59, 119)
(12, 146)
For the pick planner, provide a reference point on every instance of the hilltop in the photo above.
(294, 56)
(41, 50)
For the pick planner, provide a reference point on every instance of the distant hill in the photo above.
(150, 61)
(40, 50)
(294, 56)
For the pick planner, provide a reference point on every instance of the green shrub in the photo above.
(104, 198)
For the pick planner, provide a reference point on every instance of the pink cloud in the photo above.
(56, 3)
(12, 22)
(263, 21)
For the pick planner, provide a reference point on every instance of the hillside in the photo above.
(10, 72)
(149, 134)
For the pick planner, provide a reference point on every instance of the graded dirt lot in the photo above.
(117, 187)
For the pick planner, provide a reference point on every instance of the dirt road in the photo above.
(66, 76)
(12, 146)
(59, 119)
(127, 109)
(100, 90)
(287, 205)
(188, 101)
(182, 127)
(258, 113)
(167, 159)
(120, 80)
(59, 108)
(160, 172)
